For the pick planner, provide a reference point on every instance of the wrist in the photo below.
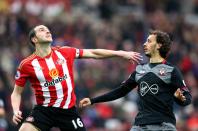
(15, 112)
(120, 53)
(92, 101)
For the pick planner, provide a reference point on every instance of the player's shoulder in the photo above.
(26, 60)
(142, 65)
(61, 47)
(168, 65)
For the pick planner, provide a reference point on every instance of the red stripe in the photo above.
(73, 96)
(80, 53)
(37, 87)
(52, 89)
(61, 74)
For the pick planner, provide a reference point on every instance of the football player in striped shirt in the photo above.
(50, 72)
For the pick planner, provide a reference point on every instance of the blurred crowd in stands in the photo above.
(108, 24)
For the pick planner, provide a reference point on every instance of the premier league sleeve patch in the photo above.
(18, 74)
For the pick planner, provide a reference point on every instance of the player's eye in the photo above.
(41, 29)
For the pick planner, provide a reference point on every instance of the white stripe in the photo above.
(68, 80)
(77, 53)
(58, 86)
(40, 76)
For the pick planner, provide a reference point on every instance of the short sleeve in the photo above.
(73, 52)
(21, 76)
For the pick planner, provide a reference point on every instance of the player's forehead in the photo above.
(37, 28)
(151, 37)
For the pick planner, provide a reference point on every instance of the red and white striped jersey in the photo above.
(51, 77)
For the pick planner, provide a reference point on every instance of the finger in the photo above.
(85, 104)
(133, 61)
(184, 98)
(178, 90)
(19, 116)
(18, 119)
(82, 103)
(137, 55)
(15, 122)
(137, 58)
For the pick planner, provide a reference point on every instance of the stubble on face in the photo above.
(43, 34)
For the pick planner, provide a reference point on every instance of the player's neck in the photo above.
(156, 59)
(43, 50)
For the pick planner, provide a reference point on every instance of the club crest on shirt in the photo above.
(60, 61)
(162, 72)
(18, 74)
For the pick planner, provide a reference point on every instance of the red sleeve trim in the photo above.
(81, 53)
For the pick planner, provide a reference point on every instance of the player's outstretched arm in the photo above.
(103, 53)
(15, 101)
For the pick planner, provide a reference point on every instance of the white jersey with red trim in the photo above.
(51, 77)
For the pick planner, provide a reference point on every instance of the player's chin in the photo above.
(147, 54)
(49, 40)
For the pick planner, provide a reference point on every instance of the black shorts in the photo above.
(44, 118)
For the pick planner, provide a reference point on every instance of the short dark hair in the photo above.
(32, 34)
(163, 39)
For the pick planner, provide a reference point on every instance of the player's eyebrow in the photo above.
(42, 28)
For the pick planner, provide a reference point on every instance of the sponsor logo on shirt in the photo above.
(55, 81)
(145, 88)
(53, 73)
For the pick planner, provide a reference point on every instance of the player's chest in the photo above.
(49, 68)
(154, 75)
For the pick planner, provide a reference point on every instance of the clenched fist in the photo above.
(17, 117)
(84, 102)
(179, 95)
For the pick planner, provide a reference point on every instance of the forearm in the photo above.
(15, 101)
(113, 95)
(101, 53)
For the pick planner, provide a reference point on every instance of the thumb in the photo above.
(18, 113)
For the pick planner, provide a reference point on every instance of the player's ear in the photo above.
(34, 39)
(159, 45)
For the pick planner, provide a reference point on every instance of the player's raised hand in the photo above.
(133, 57)
(17, 117)
(179, 95)
(84, 102)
